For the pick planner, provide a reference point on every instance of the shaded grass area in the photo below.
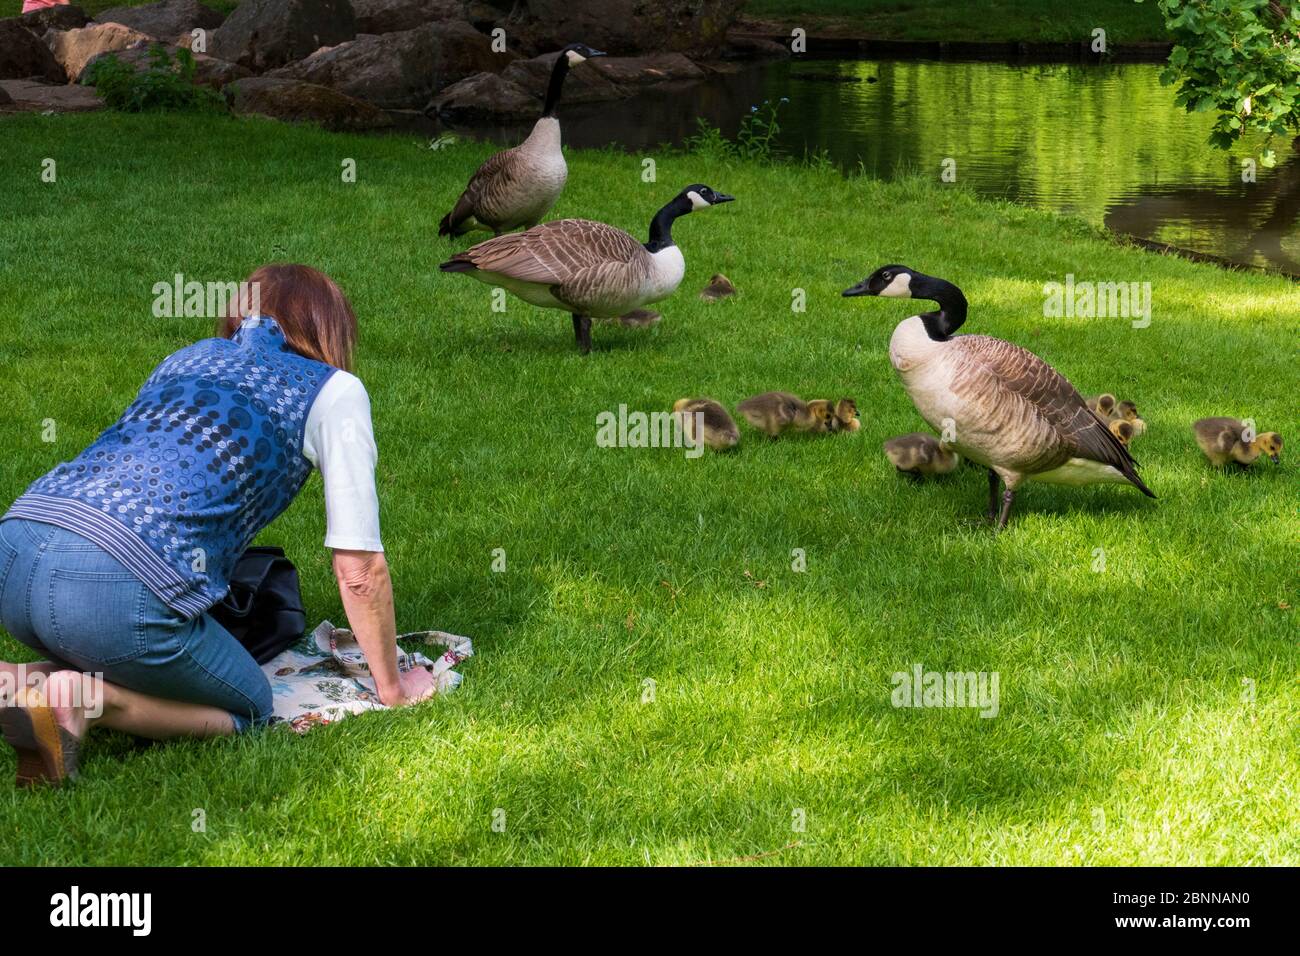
(1147, 712)
(1029, 20)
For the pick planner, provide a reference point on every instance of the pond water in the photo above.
(1103, 142)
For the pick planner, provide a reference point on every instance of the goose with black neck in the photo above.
(586, 268)
(518, 186)
(1005, 407)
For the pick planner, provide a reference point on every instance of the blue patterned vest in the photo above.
(208, 454)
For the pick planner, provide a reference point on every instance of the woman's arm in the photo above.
(367, 593)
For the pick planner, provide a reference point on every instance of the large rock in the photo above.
(604, 78)
(394, 16)
(208, 70)
(66, 16)
(638, 71)
(286, 99)
(76, 48)
(630, 27)
(399, 70)
(167, 20)
(31, 97)
(584, 83)
(265, 34)
(24, 55)
(484, 96)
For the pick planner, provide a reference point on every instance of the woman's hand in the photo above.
(417, 685)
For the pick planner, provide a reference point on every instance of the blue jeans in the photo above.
(68, 599)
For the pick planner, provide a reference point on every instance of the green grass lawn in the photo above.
(1127, 732)
(1030, 20)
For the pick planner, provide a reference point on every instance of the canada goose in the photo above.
(719, 287)
(1012, 412)
(587, 268)
(518, 186)
(921, 454)
(1226, 439)
(774, 412)
(1103, 405)
(720, 432)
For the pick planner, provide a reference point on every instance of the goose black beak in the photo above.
(859, 289)
(596, 53)
(719, 198)
(1276, 459)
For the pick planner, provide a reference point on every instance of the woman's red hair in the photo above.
(314, 314)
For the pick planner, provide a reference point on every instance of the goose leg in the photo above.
(1008, 496)
(993, 494)
(582, 332)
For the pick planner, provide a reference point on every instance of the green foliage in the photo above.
(166, 84)
(988, 20)
(755, 141)
(1239, 58)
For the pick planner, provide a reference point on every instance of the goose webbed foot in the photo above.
(582, 332)
(1008, 496)
(993, 494)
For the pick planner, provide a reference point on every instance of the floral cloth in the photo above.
(324, 677)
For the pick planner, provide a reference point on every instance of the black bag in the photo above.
(264, 606)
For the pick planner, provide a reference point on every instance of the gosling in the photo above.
(719, 287)
(1224, 440)
(774, 412)
(1103, 406)
(828, 417)
(720, 431)
(920, 454)
(846, 413)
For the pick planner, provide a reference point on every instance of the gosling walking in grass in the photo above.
(1013, 413)
(586, 268)
(777, 412)
(705, 420)
(920, 454)
(1225, 440)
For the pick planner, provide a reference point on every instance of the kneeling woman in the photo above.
(110, 563)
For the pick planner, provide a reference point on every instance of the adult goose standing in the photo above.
(587, 268)
(518, 186)
(1008, 409)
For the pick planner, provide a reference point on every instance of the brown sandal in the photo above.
(46, 752)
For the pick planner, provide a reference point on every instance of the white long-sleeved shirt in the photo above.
(340, 441)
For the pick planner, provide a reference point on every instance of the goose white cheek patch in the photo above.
(900, 287)
(575, 58)
(697, 201)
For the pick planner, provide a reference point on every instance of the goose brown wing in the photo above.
(1059, 417)
(491, 180)
(560, 253)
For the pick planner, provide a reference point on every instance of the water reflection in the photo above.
(1106, 143)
